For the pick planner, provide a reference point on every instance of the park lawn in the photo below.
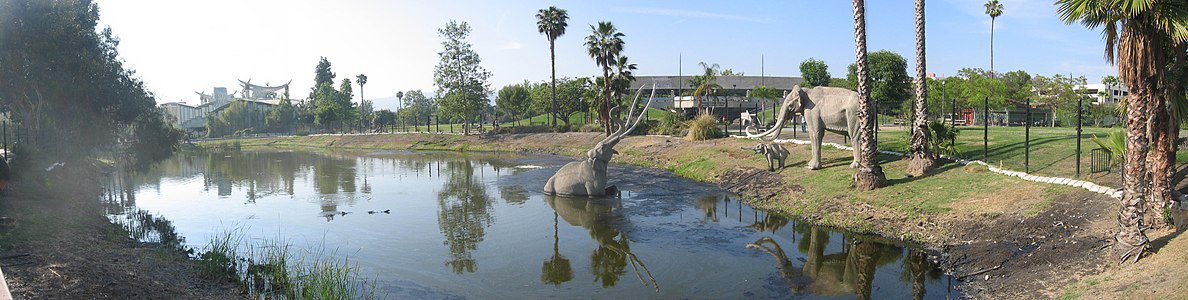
(1053, 150)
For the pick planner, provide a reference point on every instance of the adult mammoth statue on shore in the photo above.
(825, 109)
(588, 177)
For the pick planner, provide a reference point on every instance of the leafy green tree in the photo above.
(732, 72)
(462, 84)
(417, 108)
(514, 100)
(551, 22)
(890, 84)
(384, 118)
(62, 76)
(322, 74)
(604, 44)
(815, 72)
(282, 118)
(993, 9)
(1018, 84)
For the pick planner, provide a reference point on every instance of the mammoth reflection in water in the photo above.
(850, 271)
(610, 260)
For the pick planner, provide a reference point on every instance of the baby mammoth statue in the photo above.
(773, 152)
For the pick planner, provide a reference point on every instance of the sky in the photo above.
(179, 47)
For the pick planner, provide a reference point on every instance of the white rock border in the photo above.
(1092, 187)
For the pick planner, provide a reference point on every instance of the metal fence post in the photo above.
(1079, 111)
(1027, 139)
(985, 128)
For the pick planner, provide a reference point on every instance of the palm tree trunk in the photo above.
(992, 46)
(1139, 60)
(604, 113)
(553, 62)
(870, 175)
(922, 161)
(1164, 133)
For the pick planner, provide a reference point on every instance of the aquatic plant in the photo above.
(268, 268)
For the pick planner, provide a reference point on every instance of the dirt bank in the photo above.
(1005, 237)
(58, 245)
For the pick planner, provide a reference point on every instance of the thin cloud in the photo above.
(691, 14)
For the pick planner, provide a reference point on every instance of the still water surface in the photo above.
(446, 225)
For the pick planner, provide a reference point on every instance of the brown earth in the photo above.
(55, 244)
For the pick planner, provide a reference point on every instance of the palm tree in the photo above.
(994, 9)
(624, 73)
(706, 83)
(1147, 30)
(361, 79)
(551, 22)
(870, 175)
(604, 44)
(922, 161)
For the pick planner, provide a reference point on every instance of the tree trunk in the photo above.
(1140, 56)
(922, 161)
(604, 113)
(992, 47)
(870, 175)
(553, 62)
(1164, 132)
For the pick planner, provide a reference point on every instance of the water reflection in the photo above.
(600, 216)
(850, 271)
(464, 212)
(695, 239)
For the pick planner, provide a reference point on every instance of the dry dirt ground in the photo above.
(57, 245)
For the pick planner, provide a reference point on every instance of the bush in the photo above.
(940, 137)
(302, 133)
(704, 127)
(668, 123)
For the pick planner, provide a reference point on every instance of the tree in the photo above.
(322, 74)
(922, 159)
(870, 175)
(604, 44)
(1148, 30)
(815, 72)
(462, 84)
(513, 99)
(64, 82)
(365, 107)
(551, 22)
(1018, 84)
(890, 84)
(282, 117)
(705, 84)
(621, 79)
(385, 118)
(732, 72)
(418, 108)
(993, 9)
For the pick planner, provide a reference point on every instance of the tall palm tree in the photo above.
(604, 44)
(624, 73)
(870, 175)
(361, 79)
(994, 9)
(1142, 31)
(551, 22)
(705, 83)
(922, 161)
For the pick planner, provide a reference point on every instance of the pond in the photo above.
(467, 225)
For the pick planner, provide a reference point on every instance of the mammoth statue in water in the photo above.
(588, 177)
(824, 108)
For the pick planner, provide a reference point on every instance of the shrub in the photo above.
(1114, 145)
(704, 127)
(940, 137)
(668, 123)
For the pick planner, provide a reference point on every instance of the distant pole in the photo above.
(985, 128)
(762, 70)
(1027, 139)
(680, 78)
(876, 124)
(1079, 110)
